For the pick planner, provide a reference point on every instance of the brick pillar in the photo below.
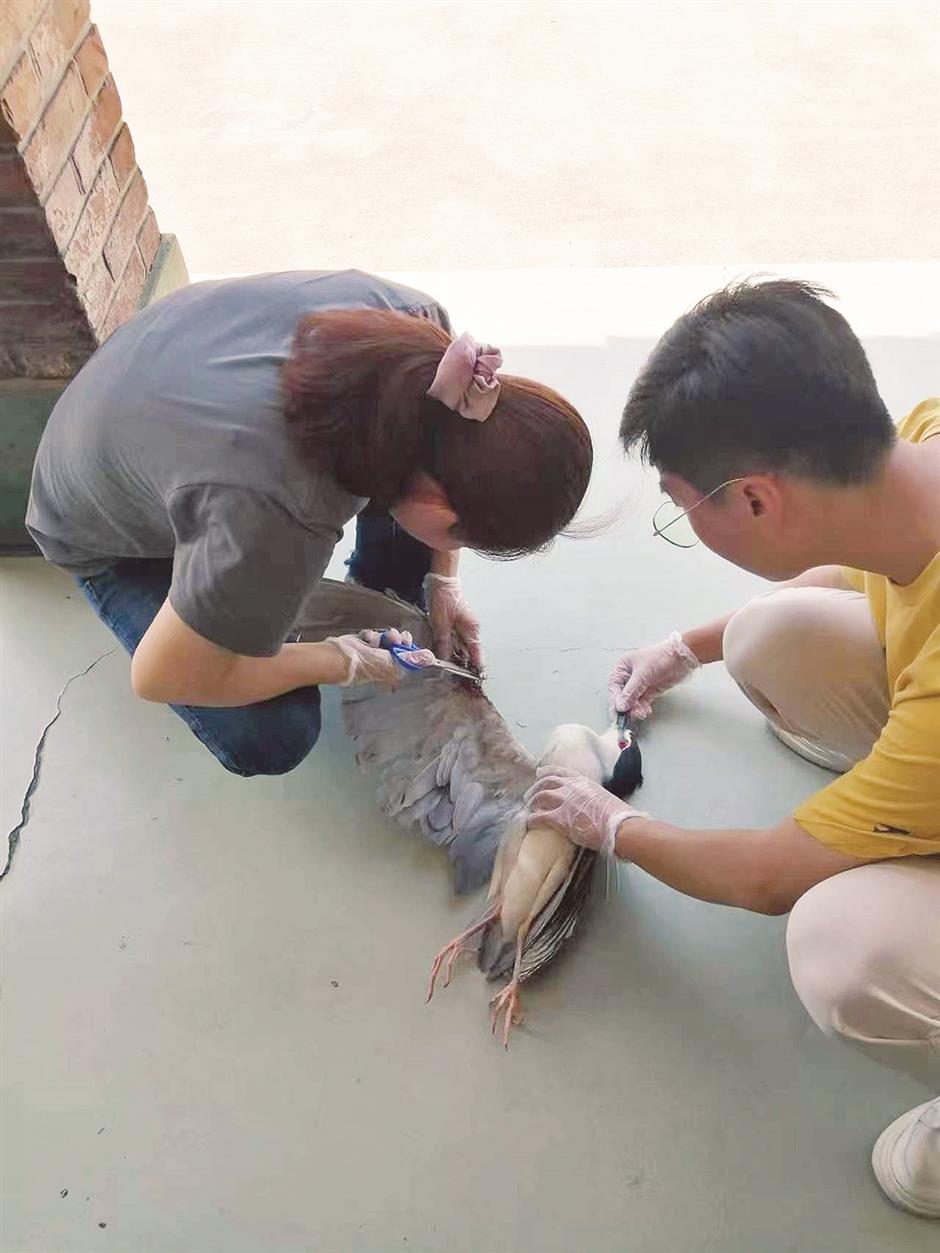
(77, 234)
(79, 246)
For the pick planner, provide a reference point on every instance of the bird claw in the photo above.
(450, 952)
(507, 1003)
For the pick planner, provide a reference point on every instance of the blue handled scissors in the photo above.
(400, 653)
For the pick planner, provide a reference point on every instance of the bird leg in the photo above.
(456, 946)
(507, 1001)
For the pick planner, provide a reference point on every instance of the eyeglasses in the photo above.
(670, 515)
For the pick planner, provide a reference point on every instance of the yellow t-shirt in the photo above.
(889, 804)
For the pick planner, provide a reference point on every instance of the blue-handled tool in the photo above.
(400, 653)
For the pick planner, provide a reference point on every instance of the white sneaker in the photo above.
(906, 1160)
(818, 754)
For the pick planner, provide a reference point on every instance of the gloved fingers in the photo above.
(637, 709)
(557, 772)
(467, 629)
(536, 796)
(367, 663)
(422, 657)
(621, 671)
(392, 635)
(444, 643)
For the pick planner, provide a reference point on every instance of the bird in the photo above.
(447, 764)
(541, 880)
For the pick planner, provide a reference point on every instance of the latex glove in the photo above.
(454, 624)
(367, 663)
(578, 808)
(643, 674)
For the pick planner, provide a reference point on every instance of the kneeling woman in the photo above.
(197, 474)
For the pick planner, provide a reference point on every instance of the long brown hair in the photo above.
(356, 396)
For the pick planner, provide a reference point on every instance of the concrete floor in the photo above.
(214, 1034)
(444, 134)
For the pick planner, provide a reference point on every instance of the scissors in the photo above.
(400, 653)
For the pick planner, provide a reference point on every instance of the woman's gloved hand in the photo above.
(578, 808)
(454, 624)
(366, 662)
(643, 674)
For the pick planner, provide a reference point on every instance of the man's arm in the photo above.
(706, 641)
(766, 871)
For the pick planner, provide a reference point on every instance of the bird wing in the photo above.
(446, 763)
(334, 608)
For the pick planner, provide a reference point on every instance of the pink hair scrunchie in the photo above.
(466, 378)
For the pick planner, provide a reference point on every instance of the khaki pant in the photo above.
(863, 946)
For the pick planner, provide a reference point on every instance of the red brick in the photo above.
(93, 143)
(126, 224)
(17, 18)
(64, 204)
(54, 38)
(92, 228)
(42, 279)
(21, 97)
(126, 296)
(55, 134)
(24, 233)
(123, 157)
(148, 241)
(15, 187)
(96, 292)
(92, 61)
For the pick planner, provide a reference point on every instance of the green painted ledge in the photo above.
(25, 405)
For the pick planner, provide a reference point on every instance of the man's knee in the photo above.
(766, 630)
(841, 965)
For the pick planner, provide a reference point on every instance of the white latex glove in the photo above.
(453, 622)
(577, 807)
(367, 663)
(643, 674)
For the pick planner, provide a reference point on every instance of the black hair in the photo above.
(762, 375)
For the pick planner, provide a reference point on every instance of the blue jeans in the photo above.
(274, 735)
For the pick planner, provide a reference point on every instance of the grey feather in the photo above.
(449, 765)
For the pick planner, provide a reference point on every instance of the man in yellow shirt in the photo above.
(759, 410)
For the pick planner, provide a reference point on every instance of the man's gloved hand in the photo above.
(577, 807)
(454, 624)
(367, 663)
(643, 674)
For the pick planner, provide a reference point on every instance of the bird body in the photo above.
(448, 765)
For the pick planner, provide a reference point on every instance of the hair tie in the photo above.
(466, 378)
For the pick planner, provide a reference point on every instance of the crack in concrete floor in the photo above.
(13, 838)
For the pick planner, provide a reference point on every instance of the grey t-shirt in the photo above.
(172, 442)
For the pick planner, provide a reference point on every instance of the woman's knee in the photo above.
(271, 738)
(251, 760)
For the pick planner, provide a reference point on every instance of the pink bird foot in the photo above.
(507, 1003)
(452, 950)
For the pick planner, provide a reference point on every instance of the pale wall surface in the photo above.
(472, 135)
